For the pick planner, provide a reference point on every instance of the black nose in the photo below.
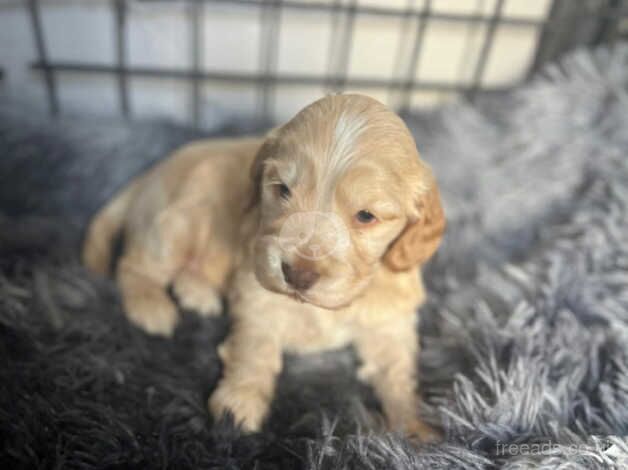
(301, 279)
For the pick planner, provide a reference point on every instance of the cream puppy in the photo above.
(318, 249)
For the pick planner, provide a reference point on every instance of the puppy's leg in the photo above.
(251, 360)
(389, 356)
(195, 292)
(146, 302)
(152, 259)
(199, 284)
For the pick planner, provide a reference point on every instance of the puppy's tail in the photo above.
(103, 229)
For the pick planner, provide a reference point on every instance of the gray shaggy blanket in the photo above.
(525, 333)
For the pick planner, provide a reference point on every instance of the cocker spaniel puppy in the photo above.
(315, 235)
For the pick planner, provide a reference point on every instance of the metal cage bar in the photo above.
(411, 74)
(248, 78)
(336, 18)
(339, 7)
(42, 56)
(119, 7)
(344, 49)
(478, 73)
(401, 55)
(196, 27)
(344, 14)
(269, 55)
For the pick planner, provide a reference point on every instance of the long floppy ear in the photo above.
(420, 239)
(267, 149)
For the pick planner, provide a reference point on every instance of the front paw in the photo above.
(151, 309)
(406, 421)
(247, 405)
(193, 293)
(423, 431)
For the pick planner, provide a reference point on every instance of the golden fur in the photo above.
(301, 265)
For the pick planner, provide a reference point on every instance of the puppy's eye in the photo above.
(365, 217)
(283, 191)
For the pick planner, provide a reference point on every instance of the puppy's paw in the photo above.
(423, 431)
(247, 405)
(194, 293)
(152, 310)
(405, 420)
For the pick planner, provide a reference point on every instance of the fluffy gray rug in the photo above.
(525, 334)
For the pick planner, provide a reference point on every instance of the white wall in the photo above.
(83, 30)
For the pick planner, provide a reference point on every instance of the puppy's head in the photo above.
(342, 192)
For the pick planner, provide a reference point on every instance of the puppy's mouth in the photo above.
(296, 294)
(299, 297)
(320, 299)
(303, 298)
(290, 292)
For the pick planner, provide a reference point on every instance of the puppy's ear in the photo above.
(420, 239)
(267, 149)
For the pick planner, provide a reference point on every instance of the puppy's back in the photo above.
(212, 170)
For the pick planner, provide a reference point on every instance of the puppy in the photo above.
(318, 249)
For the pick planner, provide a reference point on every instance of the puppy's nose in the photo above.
(299, 278)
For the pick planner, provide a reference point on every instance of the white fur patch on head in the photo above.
(348, 129)
(346, 133)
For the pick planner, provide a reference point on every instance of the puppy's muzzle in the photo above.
(313, 235)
